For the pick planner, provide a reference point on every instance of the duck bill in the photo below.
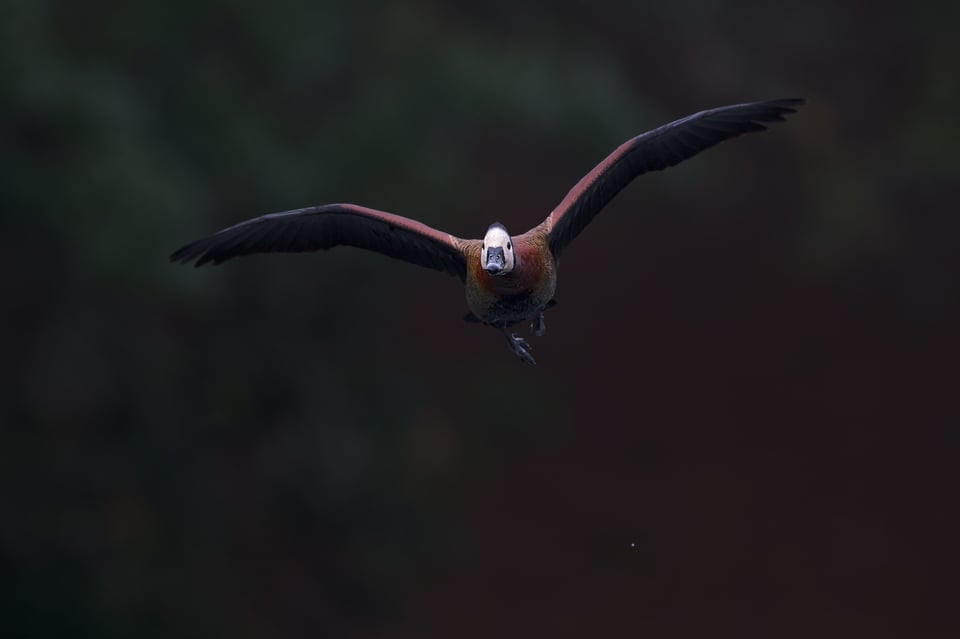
(495, 260)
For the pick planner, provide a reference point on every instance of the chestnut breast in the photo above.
(503, 300)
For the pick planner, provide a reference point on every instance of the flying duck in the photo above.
(509, 279)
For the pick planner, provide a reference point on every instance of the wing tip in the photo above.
(787, 105)
(190, 253)
(180, 257)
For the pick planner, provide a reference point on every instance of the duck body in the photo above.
(504, 300)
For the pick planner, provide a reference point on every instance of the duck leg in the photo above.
(539, 326)
(519, 346)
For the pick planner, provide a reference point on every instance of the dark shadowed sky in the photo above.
(744, 421)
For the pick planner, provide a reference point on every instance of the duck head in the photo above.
(496, 254)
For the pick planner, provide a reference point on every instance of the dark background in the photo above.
(744, 421)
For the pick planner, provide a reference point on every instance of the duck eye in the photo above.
(509, 246)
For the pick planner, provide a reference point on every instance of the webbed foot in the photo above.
(520, 347)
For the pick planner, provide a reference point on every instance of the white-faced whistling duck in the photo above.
(509, 279)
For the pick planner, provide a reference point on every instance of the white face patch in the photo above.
(497, 237)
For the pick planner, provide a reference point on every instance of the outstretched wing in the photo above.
(654, 151)
(323, 227)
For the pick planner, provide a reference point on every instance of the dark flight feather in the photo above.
(654, 151)
(323, 227)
